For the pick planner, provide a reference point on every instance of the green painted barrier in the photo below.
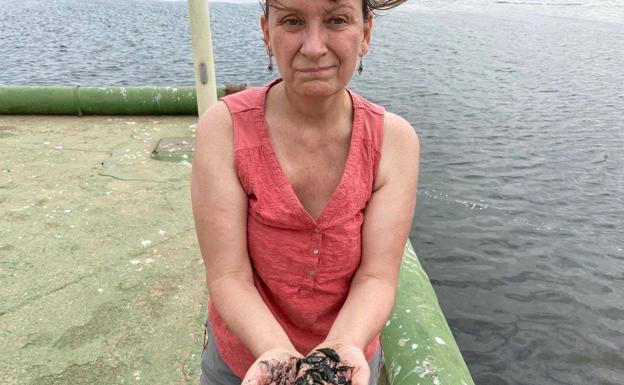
(419, 347)
(77, 100)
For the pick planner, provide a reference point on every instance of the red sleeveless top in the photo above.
(302, 268)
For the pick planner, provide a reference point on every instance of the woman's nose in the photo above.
(314, 41)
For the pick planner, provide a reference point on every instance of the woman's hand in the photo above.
(274, 367)
(332, 363)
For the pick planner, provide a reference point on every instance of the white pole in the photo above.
(201, 37)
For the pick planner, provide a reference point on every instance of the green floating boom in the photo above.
(77, 100)
(418, 345)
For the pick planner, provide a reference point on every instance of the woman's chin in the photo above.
(316, 88)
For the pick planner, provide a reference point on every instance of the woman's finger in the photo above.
(361, 375)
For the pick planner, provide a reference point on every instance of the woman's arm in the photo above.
(387, 221)
(220, 212)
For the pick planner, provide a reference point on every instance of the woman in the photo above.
(303, 194)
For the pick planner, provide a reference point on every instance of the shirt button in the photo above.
(315, 251)
(311, 273)
(317, 230)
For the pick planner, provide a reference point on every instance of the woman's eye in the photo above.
(292, 22)
(338, 20)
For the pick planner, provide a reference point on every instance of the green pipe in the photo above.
(77, 100)
(418, 345)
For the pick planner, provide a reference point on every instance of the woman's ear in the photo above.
(368, 27)
(264, 24)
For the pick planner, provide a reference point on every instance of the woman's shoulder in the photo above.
(395, 131)
(361, 102)
(400, 140)
(393, 124)
(214, 128)
(230, 123)
(398, 128)
(250, 98)
(400, 150)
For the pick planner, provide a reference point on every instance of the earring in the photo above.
(270, 66)
(360, 68)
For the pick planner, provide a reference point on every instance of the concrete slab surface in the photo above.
(101, 278)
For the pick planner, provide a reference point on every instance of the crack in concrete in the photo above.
(29, 300)
(39, 296)
(131, 179)
(83, 150)
(191, 365)
(55, 149)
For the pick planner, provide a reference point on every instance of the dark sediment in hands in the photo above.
(323, 367)
(280, 372)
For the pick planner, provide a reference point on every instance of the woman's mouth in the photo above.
(315, 70)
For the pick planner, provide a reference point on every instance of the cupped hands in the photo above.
(334, 363)
(274, 367)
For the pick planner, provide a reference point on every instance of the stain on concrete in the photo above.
(6, 248)
(152, 304)
(35, 340)
(103, 322)
(96, 373)
(147, 302)
(52, 225)
(129, 342)
(7, 131)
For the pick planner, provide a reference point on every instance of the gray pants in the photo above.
(216, 372)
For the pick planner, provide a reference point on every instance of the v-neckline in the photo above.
(329, 206)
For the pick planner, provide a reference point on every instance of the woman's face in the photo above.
(316, 44)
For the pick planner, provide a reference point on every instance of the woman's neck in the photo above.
(320, 112)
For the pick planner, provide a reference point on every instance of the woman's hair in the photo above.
(368, 6)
